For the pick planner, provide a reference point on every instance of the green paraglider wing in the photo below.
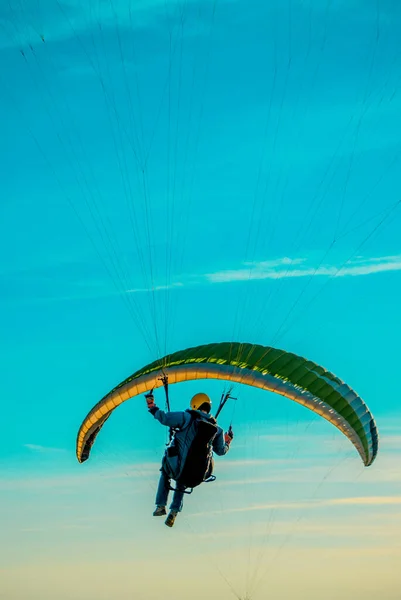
(263, 367)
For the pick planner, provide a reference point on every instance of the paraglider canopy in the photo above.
(263, 367)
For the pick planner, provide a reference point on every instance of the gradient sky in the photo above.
(176, 173)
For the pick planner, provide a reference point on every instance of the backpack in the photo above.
(198, 465)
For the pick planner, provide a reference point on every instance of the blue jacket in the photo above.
(180, 420)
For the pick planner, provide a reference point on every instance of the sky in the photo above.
(176, 173)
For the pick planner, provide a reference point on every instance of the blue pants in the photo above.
(163, 492)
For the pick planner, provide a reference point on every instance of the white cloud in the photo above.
(312, 504)
(365, 500)
(156, 288)
(391, 442)
(280, 268)
(311, 528)
(284, 268)
(299, 267)
(43, 449)
(252, 462)
(122, 473)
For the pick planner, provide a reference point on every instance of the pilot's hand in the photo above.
(150, 400)
(228, 436)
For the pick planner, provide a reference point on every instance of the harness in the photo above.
(172, 431)
(200, 444)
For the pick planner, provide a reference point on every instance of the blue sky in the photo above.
(176, 173)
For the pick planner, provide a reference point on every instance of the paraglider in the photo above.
(264, 367)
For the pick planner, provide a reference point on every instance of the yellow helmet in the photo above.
(199, 399)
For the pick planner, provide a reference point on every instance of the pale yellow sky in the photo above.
(325, 528)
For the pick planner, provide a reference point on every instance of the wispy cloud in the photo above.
(391, 442)
(304, 527)
(156, 288)
(123, 473)
(43, 449)
(280, 268)
(300, 267)
(261, 507)
(364, 500)
(284, 268)
(252, 462)
(312, 504)
(58, 527)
